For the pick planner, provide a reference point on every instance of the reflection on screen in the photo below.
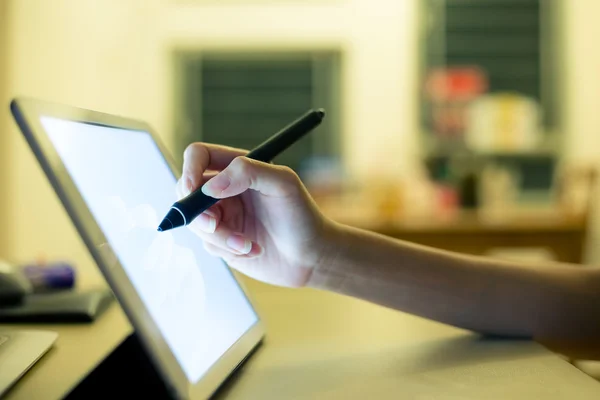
(127, 185)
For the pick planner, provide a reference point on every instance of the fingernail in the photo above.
(206, 222)
(210, 213)
(239, 243)
(215, 186)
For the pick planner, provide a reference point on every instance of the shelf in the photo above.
(436, 148)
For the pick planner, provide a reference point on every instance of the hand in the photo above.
(266, 226)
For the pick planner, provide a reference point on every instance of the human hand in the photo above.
(266, 225)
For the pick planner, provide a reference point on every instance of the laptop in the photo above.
(19, 351)
(194, 319)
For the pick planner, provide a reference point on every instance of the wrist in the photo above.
(334, 243)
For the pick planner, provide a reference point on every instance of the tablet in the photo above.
(116, 180)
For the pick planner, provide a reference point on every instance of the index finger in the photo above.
(199, 157)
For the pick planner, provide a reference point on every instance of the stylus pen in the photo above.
(184, 211)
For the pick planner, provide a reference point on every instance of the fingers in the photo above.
(244, 173)
(209, 219)
(182, 189)
(199, 157)
(219, 236)
(207, 222)
(225, 239)
(227, 254)
(218, 252)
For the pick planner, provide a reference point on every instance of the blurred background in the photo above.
(470, 125)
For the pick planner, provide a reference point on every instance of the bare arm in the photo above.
(553, 302)
(268, 227)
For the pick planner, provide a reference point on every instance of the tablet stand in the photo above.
(127, 372)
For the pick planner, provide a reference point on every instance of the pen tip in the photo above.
(165, 225)
(320, 113)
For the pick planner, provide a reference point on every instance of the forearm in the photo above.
(475, 293)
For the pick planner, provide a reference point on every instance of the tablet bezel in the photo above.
(27, 113)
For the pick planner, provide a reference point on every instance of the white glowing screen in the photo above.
(192, 297)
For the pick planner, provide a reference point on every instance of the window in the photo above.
(240, 99)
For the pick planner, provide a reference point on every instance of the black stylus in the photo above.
(184, 211)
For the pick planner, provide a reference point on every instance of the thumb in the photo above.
(244, 173)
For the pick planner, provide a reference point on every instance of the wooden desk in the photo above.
(324, 346)
(564, 236)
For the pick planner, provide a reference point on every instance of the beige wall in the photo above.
(114, 56)
(582, 97)
(87, 53)
(5, 238)
(378, 39)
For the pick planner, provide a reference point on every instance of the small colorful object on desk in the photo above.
(50, 277)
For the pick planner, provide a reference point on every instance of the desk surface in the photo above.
(321, 345)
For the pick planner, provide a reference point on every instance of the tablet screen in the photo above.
(126, 183)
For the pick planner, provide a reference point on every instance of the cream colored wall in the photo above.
(378, 39)
(582, 97)
(114, 56)
(582, 61)
(98, 55)
(4, 156)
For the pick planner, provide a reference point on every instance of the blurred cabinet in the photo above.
(559, 236)
(558, 232)
(490, 48)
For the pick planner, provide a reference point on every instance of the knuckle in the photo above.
(193, 148)
(240, 164)
(241, 168)
(290, 179)
(289, 174)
